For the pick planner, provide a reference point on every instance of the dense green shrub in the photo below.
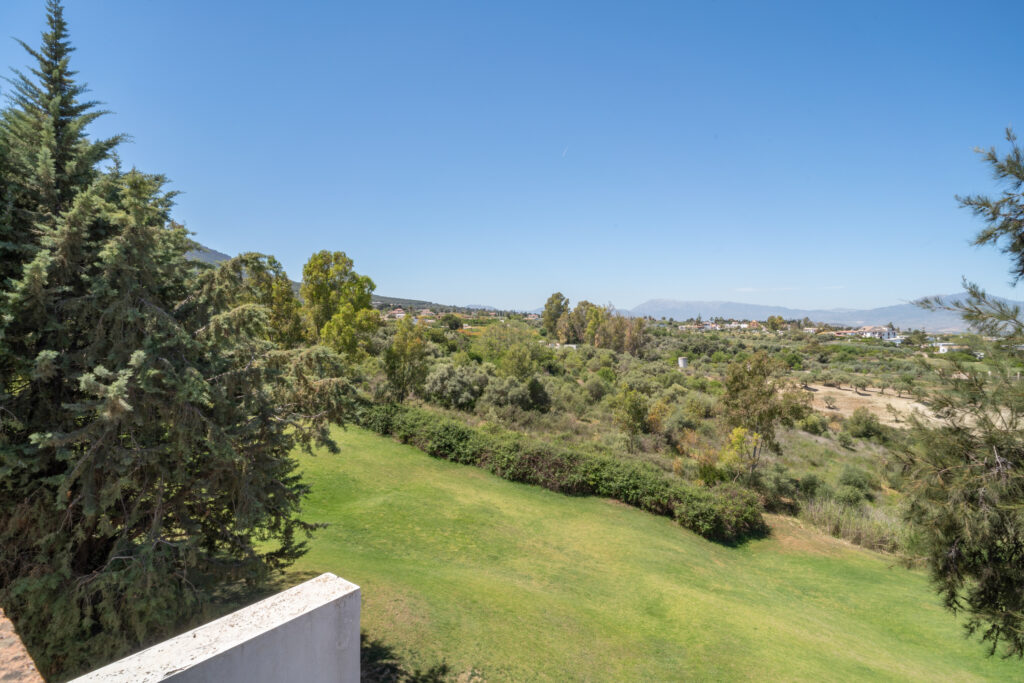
(699, 407)
(409, 425)
(451, 440)
(698, 383)
(539, 399)
(672, 378)
(710, 473)
(812, 486)
(596, 389)
(566, 396)
(793, 360)
(379, 417)
(858, 478)
(511, 392)
(863, 424)
(777, 489)
(723, 513)
(849, 495)
(814, 424)
(726, 513)
(456, 387)
(677, 421)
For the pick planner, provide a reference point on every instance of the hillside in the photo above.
(516, 583)
(206, 255)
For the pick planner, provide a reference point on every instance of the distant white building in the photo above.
(877, 332)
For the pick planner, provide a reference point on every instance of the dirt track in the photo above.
(848, 399)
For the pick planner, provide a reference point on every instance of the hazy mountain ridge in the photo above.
(904, 316)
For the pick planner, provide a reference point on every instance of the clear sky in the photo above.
(804, 154)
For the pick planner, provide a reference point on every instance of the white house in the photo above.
(877, 332)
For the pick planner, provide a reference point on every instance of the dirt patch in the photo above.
(795, 536)
(848, 400)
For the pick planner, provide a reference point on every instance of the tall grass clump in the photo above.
(864, 525)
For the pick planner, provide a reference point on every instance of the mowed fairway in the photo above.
(519, 583)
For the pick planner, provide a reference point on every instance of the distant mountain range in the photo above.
(904, 316)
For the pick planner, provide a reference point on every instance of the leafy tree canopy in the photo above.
(405, 359)
(555, 307)
(758, 397)
(337, 302)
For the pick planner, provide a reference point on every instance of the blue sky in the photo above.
(800, 154)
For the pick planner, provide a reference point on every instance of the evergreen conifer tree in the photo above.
(48, 157)
(147, 416)
(967, 495)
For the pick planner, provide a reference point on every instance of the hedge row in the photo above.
(725, 513)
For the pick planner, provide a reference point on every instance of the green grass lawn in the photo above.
(516, 582)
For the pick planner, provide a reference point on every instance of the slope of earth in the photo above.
(512, 582)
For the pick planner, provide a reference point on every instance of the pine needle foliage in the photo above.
(148, 407)
(48, 159)
(967, 497)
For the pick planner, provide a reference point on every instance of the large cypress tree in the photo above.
(147, 417)
(48, 157)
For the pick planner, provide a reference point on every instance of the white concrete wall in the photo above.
(306, 634)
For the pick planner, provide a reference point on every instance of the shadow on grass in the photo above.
(379, 663)
(235, 596)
